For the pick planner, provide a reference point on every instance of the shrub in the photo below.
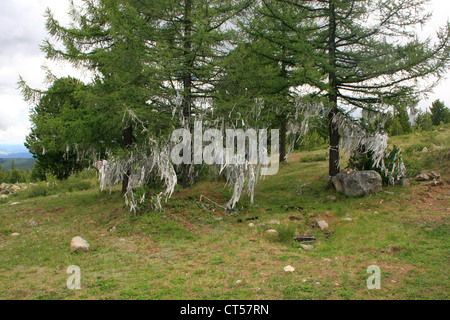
(35, 191)
(393, 162)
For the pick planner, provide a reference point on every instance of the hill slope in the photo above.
(194, 250)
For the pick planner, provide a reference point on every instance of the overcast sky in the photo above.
(23, 30)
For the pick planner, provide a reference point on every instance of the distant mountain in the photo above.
(24, 155)
(9, 151)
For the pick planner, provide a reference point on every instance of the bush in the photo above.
(393, 161)
(424, 122)
(35, 191)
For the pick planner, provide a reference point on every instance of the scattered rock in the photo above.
(238, 281)
(347, 219)
(14, 203)
(425, 149)
(15, 234)
(434, 175)
(433, 183)
(323, 225)
(251, 225)
(406, 182)
(113, 229)
(423, 177)
(272, 231)
(388, 192)
(427, 176)
(289, 269)
(15, 188)
(32, 223)
(218, 218)
(357, 183)
(3, 196)
(274, 222)
(78, 243)
(307, 247)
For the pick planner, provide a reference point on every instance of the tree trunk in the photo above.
(186, 168)
(283, 133)
(334, 165)
(127, 142)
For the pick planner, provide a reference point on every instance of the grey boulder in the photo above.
(357, 183)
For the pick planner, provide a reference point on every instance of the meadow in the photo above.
(196, 250)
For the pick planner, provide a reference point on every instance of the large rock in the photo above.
(357, 183)
(78, 243)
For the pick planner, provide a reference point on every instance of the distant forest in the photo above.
(19, 163)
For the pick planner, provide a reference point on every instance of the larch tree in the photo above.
(368, 54)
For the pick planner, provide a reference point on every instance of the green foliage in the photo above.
(424, 121)
(392, 160)
(439, 113)
(399, 124)
(56, 124)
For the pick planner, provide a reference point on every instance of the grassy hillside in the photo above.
(194, 250)
(21, 163)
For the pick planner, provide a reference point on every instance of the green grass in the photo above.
(195, 251)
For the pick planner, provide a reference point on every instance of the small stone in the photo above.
(15, 188)
(3, 196)
(78, 243)
(274, 222)
(307, 246)
(423, 177)
(15, 234)
(14, 203)
(433, 183)
(251, 225)
(347, 219)
(113, 229)
(32, 223)
(425, 149)
(406, 182)
(122, 240)
(389, 192)
(272, 231)
(434, 175)
(331, 198)
(323, 225)
(289, 269)
(238, 281)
